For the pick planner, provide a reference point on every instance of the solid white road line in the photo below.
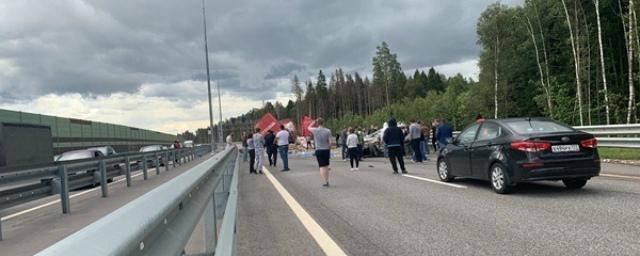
(434, 181)
(620, 176)
(8, 217)
(328, 245)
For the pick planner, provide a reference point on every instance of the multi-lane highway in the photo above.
(373, 212)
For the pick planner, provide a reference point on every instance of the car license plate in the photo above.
(565, 148)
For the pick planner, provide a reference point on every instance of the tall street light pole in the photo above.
(220, 126)
(206, 52)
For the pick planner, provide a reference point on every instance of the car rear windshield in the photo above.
(75, 155)
(150, 148)
(537, 126)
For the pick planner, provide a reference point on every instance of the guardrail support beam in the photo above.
(210, 226)
(127, 170)
(64, 189)
(103, 179)
(157, 161)
(145, 175)
(166, 161)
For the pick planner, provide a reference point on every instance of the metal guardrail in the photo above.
(161, 221)
(227, 239)
(610, 136)
(615, 136)
(23, 186)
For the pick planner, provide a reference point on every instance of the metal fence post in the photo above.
(166, 160)
(210, 225)
(157, 161)
(127, 170)
(64, 188)
(223, 174)
(103, 179)
(1, 229)
(172, 153)
(144, 167)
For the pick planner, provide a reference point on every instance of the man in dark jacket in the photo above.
(444, 133)
(434, 129)
(271, 147)
(394, 141)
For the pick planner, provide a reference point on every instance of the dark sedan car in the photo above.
(505, 152)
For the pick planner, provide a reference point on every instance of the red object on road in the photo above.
(268, 122)
(306, 121)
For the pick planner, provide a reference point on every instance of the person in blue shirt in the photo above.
(443, 133)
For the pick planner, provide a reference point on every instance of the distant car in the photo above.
(152, 148)
(508, 151)
(188, 143)
(106, 150)
(79, 154)
(372, 145)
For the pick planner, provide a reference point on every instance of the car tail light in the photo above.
(530, 146)
(589, 143)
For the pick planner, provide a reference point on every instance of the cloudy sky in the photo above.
(141, 62)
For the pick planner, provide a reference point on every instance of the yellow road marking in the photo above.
(328, 245)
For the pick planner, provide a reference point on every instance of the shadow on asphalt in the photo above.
(541, 188)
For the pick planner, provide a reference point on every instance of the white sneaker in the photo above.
(357, 168)
(352, 169)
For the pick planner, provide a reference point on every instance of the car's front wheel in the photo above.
(444, 173)
(499, 179)
(574, 183)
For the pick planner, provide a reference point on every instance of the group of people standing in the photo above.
(256, 144)
(351, 141)
(394, 137)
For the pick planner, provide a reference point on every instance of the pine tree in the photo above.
(387, 72)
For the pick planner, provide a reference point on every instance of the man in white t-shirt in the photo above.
(282, 140)
(229, 141)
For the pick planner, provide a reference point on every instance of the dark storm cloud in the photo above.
(283, 70)
(106, 46)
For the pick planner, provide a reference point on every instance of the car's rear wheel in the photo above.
(574, 183)
(443, 171)
(499, 179)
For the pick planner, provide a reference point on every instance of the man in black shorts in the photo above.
(322, 138)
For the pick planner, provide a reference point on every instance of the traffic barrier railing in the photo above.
(615, 136)
(161, 221)
(22, 186)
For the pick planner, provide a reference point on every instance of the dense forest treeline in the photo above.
(577, 61)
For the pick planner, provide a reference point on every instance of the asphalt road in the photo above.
(373, 212)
